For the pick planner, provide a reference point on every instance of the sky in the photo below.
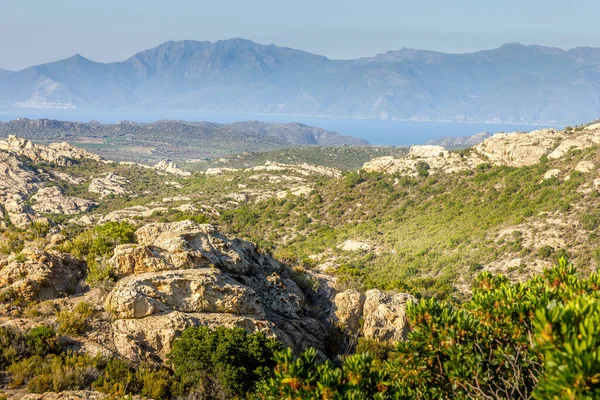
(38, 31)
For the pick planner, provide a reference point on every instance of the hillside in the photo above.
(175, 140)
(153, 275)
(511, 84)
(344, 158)
(457, 143)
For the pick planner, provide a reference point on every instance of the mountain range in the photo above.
(514, 83)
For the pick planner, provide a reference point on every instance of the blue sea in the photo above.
(377, 132)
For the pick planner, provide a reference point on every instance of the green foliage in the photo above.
(352, 179)
(14, 345)
(96, 245)
(481, 349)
(74, 322)
(305, 378)
(423, 168)
(228, 361)
(567, 336)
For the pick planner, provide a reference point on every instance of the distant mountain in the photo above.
(511, 84)
(4, 72)
(463, 142)
(176, 139)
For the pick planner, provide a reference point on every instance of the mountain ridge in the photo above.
(514, 83)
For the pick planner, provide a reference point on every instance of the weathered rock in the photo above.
(131, 214)
(514, 149)
(171, 168)
(187, 244)
(44, 275)
(436, 158)
(585, 166)
(374, 315)
(518, 149)
(348, 310)
(66, 395)
(219, 171)
(553, 173)
(61, 154)
(190, 291)
(354, 245)
(51, 200)
(302, 169)
(110, 184)
(588, 138)
(385, 315)
(199, 277)
(157, 332)
(295, 191)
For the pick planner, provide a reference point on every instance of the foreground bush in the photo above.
(482, 349)
(222, 363)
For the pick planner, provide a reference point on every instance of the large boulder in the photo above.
(51, 200)
(186, 244)
(191, 291)
(187, 274)
(110, 184)
(518, 149)
(41, 275)
(61, 154)
(385, 315)
(374, 314)
(348, 310)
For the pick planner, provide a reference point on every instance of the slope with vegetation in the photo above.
(307, 275)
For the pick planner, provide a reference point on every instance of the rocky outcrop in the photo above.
(354, 245)
(171, 168)
(514, 149)
(518, 149)
(186, 274)
(585, 167)
(66, 395)
(385, 315)
(40, 275)
(302, 169)
(185, 244)
(131, 214)
(374, 314)
(61, 154)
(110, 184)
(200, 290)
(434, 158)
(348, 310)
(50, 200)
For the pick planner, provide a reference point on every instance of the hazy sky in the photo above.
(38, 31)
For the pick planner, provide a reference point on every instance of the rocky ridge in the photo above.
(514, 149)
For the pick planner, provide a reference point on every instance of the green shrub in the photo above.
(481, 349)
(545, 252)
(352, 179)
(74, 322)
(423, 168)
(229, 361)
(117, 379)
(567, 336)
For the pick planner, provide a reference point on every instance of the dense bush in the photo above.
(96, 245)
(567, 335)
(222, 363)
(482, 349)
(15, 345)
